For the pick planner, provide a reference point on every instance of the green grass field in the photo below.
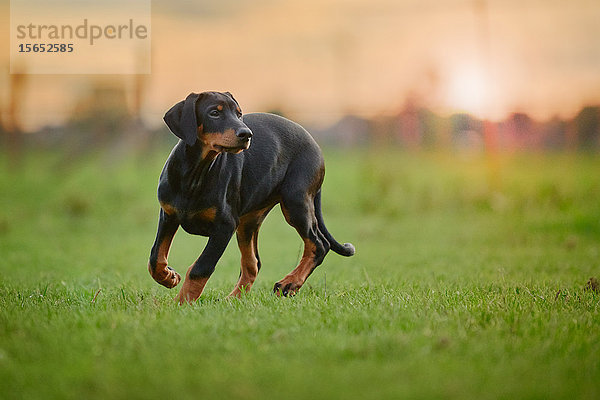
(462, 286)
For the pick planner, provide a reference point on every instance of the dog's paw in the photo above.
(169, 279)
(286, 287)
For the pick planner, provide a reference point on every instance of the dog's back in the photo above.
(273, 133)
(280, 149)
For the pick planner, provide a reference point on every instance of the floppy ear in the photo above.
(232, 98)
(181, 119)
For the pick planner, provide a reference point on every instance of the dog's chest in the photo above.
(199, 222)
(196, 221)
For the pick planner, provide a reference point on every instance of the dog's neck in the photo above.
(199, 159)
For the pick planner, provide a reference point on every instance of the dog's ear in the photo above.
(182, 121)
(232, 98)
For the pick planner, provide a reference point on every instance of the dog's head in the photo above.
(213, 118)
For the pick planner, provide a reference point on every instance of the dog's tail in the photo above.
(347, 249)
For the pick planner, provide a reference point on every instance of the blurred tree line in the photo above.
(419, 128)
(103, 119)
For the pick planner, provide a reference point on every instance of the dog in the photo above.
(224, 175)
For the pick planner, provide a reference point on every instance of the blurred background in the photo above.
(458, 75)
(461, 140)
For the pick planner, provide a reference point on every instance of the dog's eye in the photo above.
(214, 113)
(239, 115)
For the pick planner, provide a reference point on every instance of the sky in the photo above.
(319, 59)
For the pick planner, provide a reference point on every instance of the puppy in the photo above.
(224, 176)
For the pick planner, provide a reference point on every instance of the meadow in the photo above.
(469, 281)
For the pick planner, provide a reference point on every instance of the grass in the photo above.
(459, 288)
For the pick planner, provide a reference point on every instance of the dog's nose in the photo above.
(244, 133)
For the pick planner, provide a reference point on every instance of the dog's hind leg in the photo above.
(299, 212)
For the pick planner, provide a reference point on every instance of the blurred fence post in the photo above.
(139, 131)
(13, 124)
(490, 134)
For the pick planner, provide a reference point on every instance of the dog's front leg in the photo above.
(158, 264)
(198, 274)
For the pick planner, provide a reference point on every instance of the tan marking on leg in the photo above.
(247, 245)
(297, 277)
(167, 208)
(206, 214)
(249, 265)
(191, 289)
(161, 274)
(317, 181)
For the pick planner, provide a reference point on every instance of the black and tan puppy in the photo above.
(224, 176)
